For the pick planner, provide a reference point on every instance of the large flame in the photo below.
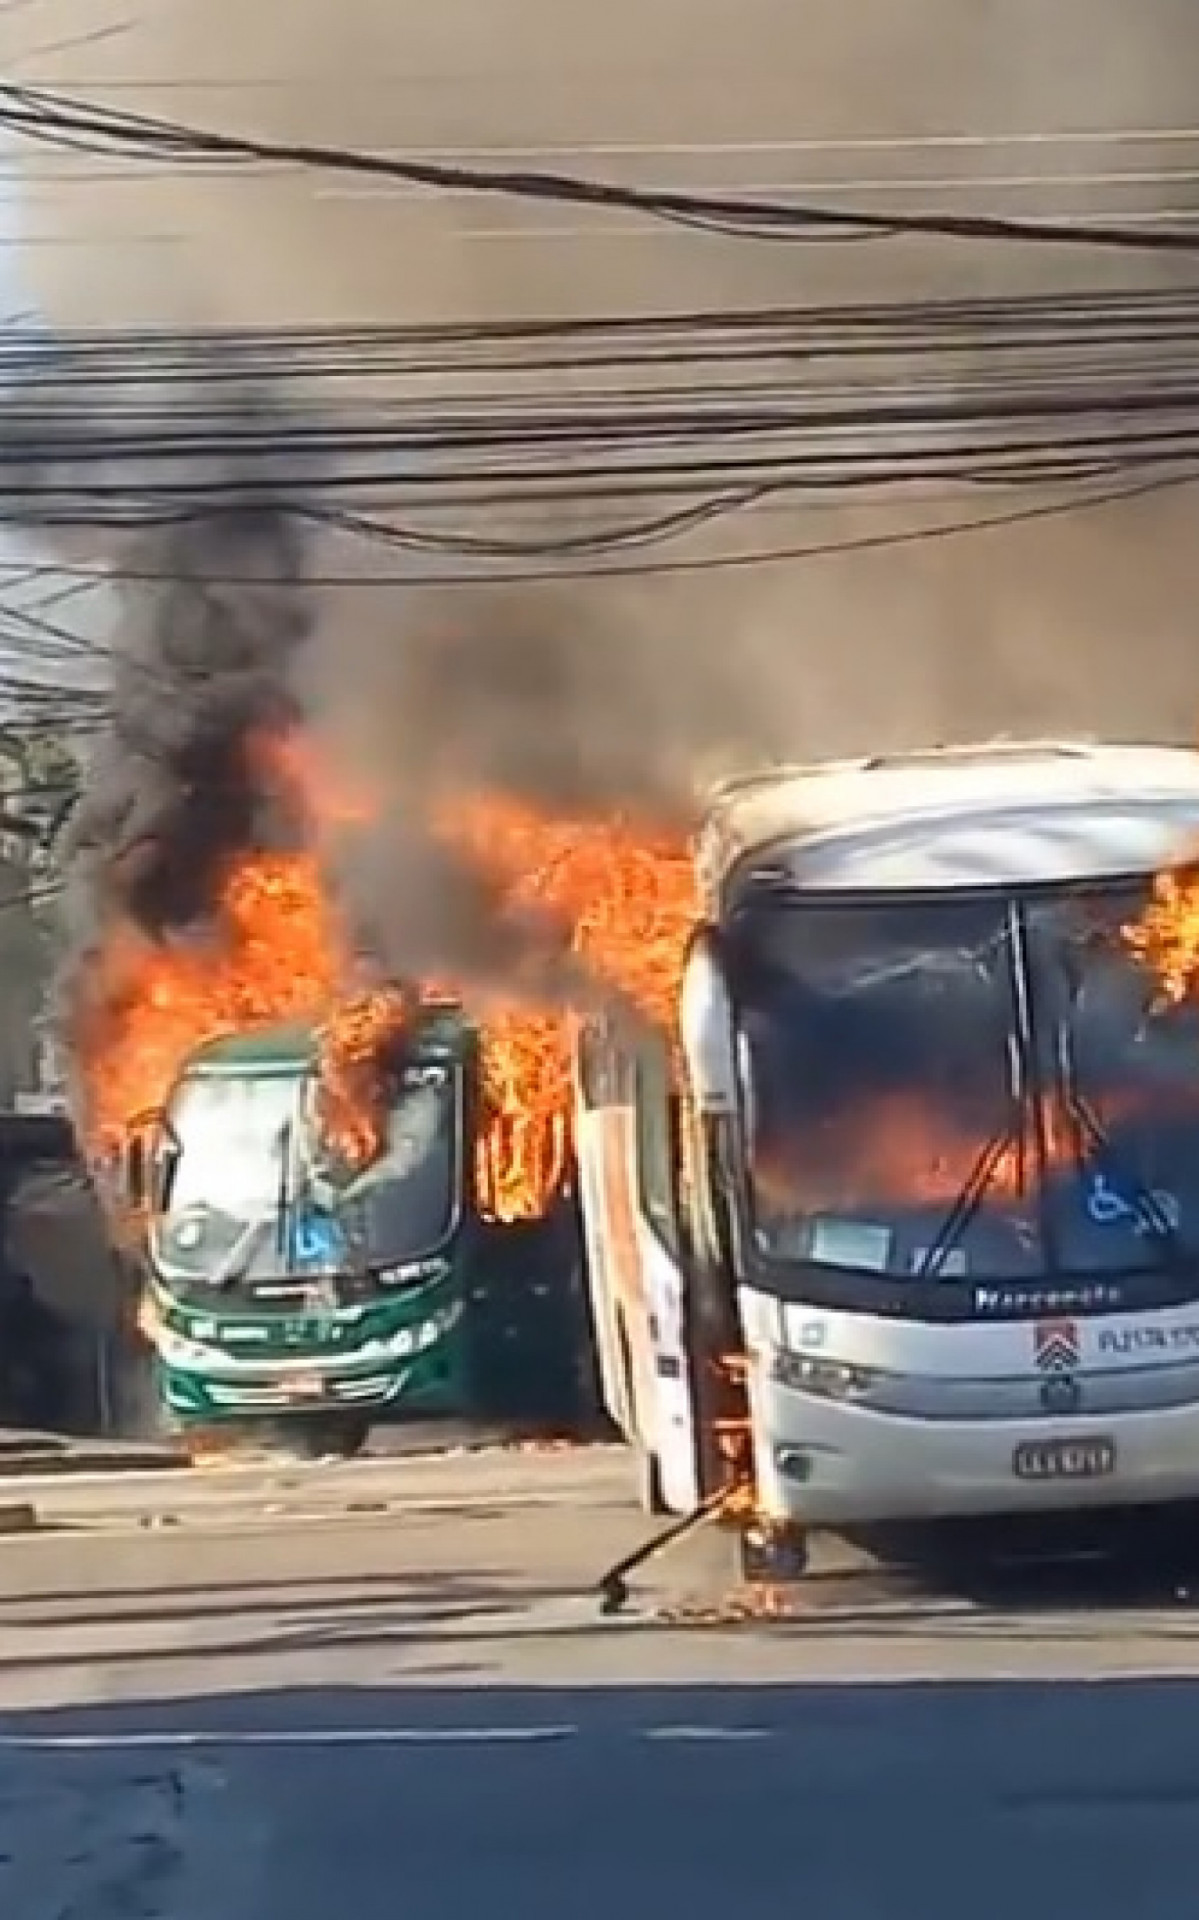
(907, 1150)
(274, 953)
(270, 955)
(622, 900)
(619, 901)
(1165, 939)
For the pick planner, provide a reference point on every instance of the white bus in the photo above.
(930, 1161)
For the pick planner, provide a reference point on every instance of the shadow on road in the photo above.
(1134, 1559)
(452, 1620)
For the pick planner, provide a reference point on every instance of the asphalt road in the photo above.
(387, 1688)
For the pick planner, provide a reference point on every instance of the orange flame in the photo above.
(272, 955)
(620, 901)
(624, 894)
(355, 1041)
(623, 902)
(899, 1150)
(1165, 939)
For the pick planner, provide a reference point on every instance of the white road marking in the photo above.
(708, 1733)
(191, 1738)
(175, 1739)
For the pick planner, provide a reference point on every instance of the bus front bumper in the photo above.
(833, 1463)
(192, 1397)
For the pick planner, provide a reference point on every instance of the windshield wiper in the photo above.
(284, 1204)
(970, 1195)
(1012, 1135)
(236, 1263)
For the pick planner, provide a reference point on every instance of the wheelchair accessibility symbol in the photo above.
(1108, 1208)
(317, 1240)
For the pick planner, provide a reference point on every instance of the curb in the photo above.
(36, 1463)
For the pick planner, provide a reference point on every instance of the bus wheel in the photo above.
(772, 1553)
(649, 1482)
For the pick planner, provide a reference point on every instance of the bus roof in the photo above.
(998, 813)
(292, 1048)
(283, 1049)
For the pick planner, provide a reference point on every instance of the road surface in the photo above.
(385, 1689)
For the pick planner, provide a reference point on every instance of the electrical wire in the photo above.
(1094, 375)
(47, 116)
(1090, 399)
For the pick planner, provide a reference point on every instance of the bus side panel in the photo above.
(594, 1145)
(670, 1407)
(637, 1291)
(628, 1191)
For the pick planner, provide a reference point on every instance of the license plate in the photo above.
(1064, 1459)
(308, 1387)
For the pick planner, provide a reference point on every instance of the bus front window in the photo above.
(879, 1050)
(404, 1203)
(1129, 1071)
(221, 1207)
(255, 1196)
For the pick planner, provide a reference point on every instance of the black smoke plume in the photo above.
(201, 667)
(224, 637)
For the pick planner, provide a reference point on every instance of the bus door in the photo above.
(671, 1413)
(603, 1113)
(627, 1181)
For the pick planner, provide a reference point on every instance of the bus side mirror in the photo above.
(135, 1173)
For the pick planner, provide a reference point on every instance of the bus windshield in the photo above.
(253, 1198)
(965, 1087)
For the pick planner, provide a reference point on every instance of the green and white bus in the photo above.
(280, 1288)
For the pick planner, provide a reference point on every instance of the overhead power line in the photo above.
(680, 419)
(84, 703)
(57, 119)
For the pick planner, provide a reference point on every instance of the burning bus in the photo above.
(328, 1192)
(289, 1280)
(344, 1196)
(902, 1222)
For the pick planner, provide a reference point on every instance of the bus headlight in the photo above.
(831, 1379)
